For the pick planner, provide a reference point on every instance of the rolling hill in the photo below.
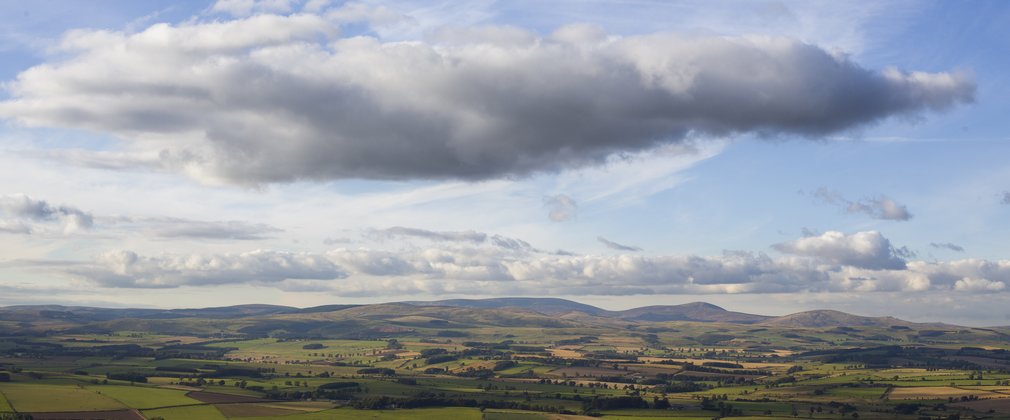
(372, 319)
(695, 311)
(829, 318)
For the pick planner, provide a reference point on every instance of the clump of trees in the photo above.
(377, 371)
(131, 377)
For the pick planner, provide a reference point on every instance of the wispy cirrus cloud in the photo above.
(198, 229)
(467, 236)
(879, 207)
(616, 246)
(947, 246)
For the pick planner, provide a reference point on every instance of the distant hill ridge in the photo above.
(830, 318)
(555, 307)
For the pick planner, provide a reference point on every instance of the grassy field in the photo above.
(938, 392)
(513, 415)
(144, 397)
(4, 405)
(42, 397)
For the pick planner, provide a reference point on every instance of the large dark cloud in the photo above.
(281, 98)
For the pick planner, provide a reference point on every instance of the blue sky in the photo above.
(767, 156)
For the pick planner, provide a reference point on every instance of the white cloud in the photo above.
(7, 226)
(861, 249)
(561, 208)
(26, 213)
(465, 267)
(512, 103)
(978, 285)
(129, 270)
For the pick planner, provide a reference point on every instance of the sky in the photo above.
(766, 156)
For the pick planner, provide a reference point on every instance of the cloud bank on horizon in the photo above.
(466, 264)
(293, 149)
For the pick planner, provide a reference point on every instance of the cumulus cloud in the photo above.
(880, 207)
(506, 103)
(978, 285)
(23, 212)
(130, 270)
(947, 245)
(616, 246)
(561, 207)
(869, 250)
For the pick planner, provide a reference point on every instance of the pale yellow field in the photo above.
(565, 353)
(935, 392)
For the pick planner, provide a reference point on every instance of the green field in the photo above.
(4, 405)
(29, 397)
(144, 397)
